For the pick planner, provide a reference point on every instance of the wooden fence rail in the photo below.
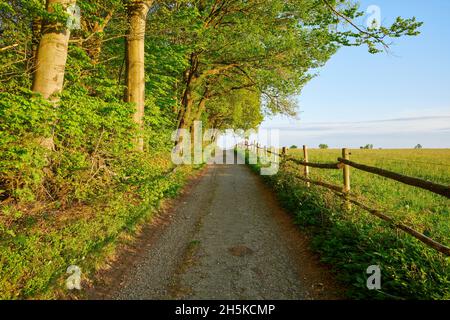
(427, 185)
(428, 241)
(321, 183)
(421, 237)
(336, 165)
(415, 182)
(344, 191)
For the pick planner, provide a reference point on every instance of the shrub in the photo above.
(68, 206)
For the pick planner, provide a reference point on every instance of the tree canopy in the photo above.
(195, 51)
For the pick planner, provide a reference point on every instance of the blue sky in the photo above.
(394, 100)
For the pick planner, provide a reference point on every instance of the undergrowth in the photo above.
(70, 205)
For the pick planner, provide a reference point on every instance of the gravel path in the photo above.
(226, 239)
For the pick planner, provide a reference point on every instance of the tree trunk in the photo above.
(51, 60)
(36, 29)
(137, 15)
(186, 117)
(186, 102)
(202, 105)
(52, 54)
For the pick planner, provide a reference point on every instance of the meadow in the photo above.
(428, 212)
(351, 240)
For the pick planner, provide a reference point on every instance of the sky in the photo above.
(391, 100)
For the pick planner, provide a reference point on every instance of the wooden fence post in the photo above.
(346, 172)
(257, 152)
(306, 168)
(283, 152)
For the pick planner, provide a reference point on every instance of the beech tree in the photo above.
(135, 49)
(51, 57)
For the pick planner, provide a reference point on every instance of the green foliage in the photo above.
(94, 186)
(34, 259)
(239, 110)
(323, 146)
(72, 204)
(271, 48)
(23, 120)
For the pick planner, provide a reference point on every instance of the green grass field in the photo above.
(426, 211)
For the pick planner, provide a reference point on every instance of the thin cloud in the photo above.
(371, 127)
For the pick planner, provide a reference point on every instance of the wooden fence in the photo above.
(343, 163)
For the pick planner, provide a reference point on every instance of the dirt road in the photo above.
(226, 238)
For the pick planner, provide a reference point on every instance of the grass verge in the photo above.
(351, 241)
(35, 254)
